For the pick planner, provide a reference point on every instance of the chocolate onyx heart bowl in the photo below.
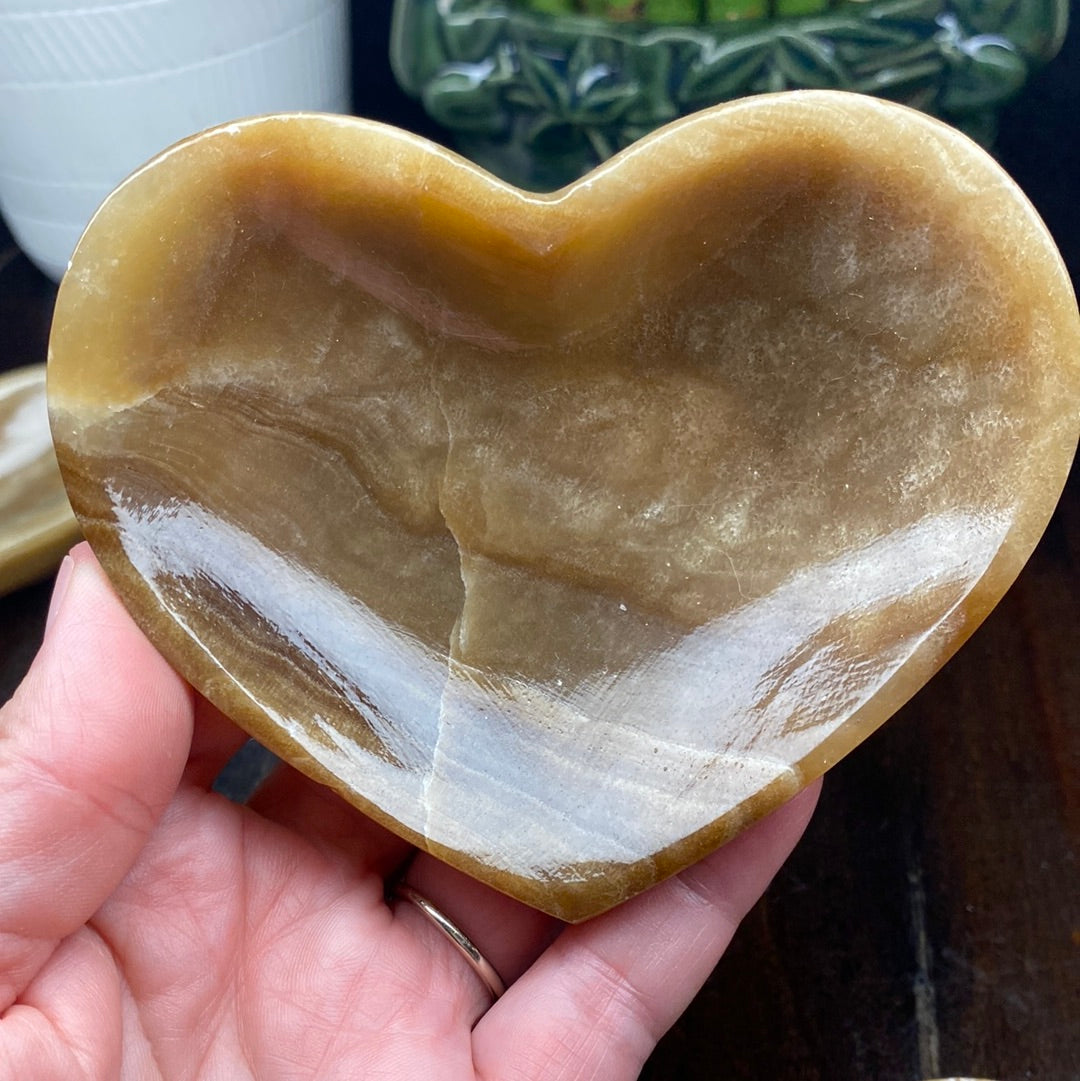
(567, 534)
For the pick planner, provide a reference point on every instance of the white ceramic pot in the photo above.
(90, 89)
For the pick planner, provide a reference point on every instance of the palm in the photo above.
(240, 944)
(150, 929)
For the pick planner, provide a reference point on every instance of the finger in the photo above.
(598, 1001)
(328, 822)
(510, 935)
(92, 747)
(67, 1023)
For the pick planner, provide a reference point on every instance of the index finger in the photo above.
(92, 746)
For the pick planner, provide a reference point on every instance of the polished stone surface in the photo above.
(567, 534)
(36, 523)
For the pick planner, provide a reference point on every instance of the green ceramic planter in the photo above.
(540, 91)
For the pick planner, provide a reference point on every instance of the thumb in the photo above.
(92, 746)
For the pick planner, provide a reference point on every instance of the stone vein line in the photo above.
(455, 632)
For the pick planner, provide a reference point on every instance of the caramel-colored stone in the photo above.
(567, 534)
(36, 523)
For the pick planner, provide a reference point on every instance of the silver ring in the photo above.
(458, 939)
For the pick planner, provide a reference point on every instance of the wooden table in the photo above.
(929, 925)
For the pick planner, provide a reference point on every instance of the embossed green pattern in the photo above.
(540, 91)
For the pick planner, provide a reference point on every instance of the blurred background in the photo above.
(929, 925)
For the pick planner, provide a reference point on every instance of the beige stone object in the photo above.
(567, 534)
(36, 523)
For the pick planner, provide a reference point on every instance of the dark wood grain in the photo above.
(929, 924)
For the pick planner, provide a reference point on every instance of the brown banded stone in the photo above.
(567, 534)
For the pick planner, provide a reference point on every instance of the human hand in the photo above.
(150, 929)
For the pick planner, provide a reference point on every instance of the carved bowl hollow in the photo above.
(567, 534)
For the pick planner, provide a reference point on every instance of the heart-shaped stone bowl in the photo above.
(567, 534)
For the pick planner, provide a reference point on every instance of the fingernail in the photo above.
(60, 588)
